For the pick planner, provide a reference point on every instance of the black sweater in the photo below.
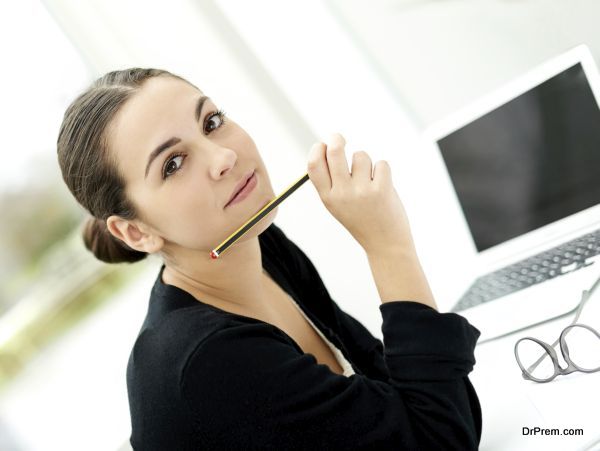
(199, 377)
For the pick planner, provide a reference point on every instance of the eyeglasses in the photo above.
(538, 360)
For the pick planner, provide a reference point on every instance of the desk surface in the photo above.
(510, 403)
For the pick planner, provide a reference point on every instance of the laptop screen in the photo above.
(529, 162)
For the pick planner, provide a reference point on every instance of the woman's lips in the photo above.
(245, 191)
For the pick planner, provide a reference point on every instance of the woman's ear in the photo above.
(131, 234)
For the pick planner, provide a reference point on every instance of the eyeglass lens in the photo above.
(529, 353)
(583, 347)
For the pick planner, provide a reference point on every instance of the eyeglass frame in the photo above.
(551, 352)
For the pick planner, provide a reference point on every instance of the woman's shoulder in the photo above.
(163, 340)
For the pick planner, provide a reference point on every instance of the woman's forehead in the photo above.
(159, 93)
(159, 110)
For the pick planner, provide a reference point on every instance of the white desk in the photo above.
(509, 403)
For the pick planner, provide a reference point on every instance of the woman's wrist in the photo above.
(398, 275)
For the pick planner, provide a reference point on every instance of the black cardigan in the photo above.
(199, 377)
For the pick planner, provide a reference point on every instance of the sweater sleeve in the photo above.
(251, 384)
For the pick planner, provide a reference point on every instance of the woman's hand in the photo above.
(368, 207)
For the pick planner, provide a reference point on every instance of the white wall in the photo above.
(440, 55)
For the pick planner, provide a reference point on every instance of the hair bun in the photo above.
(105, 246)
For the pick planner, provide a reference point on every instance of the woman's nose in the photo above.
(223, 159)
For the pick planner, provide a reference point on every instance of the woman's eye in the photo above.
(172, 165)
(219, 115)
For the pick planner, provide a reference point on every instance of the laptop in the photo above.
(523, 164)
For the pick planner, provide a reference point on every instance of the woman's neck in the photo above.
(235, 280)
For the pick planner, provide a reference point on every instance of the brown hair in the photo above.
(87, 166)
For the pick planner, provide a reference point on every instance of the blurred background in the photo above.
(290, 73)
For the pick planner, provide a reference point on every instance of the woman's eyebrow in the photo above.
(172, 141)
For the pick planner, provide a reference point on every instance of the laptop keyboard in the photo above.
(555, 262)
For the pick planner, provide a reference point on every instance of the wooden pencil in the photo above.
(216, 253)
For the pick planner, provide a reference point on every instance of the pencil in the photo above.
(216, 253)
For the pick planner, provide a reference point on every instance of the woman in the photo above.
(250, 351)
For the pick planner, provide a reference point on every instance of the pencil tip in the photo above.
(214, 255)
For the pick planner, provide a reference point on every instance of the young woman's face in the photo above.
(181, 191)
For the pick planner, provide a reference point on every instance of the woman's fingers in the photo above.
(361, 166)
(336, 159)
(382, 173)
(327, 164)
(317, 169)
(349, 197)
